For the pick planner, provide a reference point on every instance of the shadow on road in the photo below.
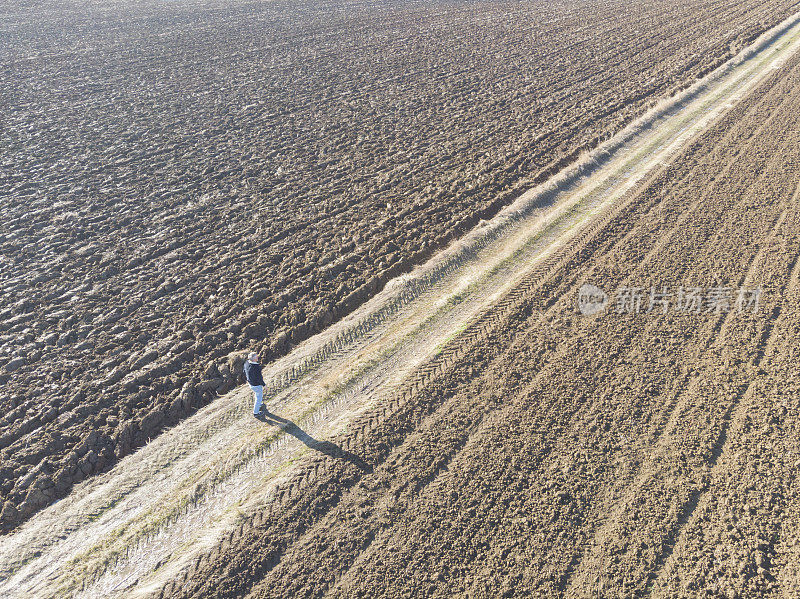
(326, 447)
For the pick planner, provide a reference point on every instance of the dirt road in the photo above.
(468, 432)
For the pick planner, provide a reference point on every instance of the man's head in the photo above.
(253, 357)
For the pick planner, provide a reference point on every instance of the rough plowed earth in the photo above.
(475, 440)
(182, 180)
(562, 455)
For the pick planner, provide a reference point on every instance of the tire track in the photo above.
(729, 415)
(735, 414)
(672, 423)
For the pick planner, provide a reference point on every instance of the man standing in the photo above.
(252, 372)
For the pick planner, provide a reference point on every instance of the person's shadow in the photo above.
(326, 447)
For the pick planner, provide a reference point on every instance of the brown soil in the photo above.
(182, 181)
(548, 453)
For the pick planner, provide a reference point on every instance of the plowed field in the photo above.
(622, 454)
(183, 180)
(471, 431)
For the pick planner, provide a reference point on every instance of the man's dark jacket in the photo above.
(252, 372)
